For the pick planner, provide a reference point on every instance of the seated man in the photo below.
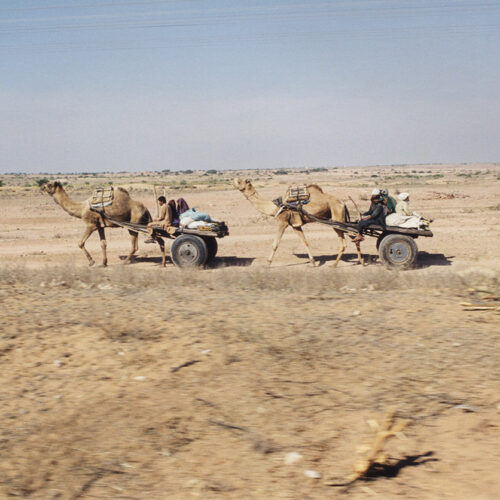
(404, 217)
(390, 202)
(164, 220)
(402, 206)
(375, 215)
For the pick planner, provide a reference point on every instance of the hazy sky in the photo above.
(92, 85)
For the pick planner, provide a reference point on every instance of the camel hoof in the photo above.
(91, 263)
(102, 265)
(314, 263)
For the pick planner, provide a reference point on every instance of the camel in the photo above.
(320, 205)
(123, 209)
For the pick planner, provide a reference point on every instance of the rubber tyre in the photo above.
(379, 240)
(212, 247)
(398, 251)
(188, 251)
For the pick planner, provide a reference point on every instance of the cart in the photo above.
(397, 247)
(190, 248)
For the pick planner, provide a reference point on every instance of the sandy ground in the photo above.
(35, 231)
(138, 382)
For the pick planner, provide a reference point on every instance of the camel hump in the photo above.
(314, 187)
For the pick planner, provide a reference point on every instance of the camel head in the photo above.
(242, 184)
(50, 187)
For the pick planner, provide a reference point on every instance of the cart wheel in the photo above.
(212, 247)
(398, 251)
(189, 250)
(379, 239)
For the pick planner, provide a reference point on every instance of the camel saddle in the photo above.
(295, 197)
(297, 194)
(102, 197)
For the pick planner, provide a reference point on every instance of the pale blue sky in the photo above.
(200, 84)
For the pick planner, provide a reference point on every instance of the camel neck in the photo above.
(73, 208)
(265, 206)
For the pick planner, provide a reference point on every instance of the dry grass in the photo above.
(300, 281)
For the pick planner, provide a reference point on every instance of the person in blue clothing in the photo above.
(374, 215)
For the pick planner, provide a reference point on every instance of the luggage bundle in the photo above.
(102, 197)
(297, 194)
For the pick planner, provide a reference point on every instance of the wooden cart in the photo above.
(396, 245)
(191, 247)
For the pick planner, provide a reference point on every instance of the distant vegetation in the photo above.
(280, 172)
(1, 183)
(41, 182)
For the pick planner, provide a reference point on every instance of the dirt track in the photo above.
(141, 383)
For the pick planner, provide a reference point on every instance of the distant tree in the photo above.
(211, 172)
(280, 172)
(41, 182)
(1, 183)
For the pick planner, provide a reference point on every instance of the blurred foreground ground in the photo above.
(146, 383)
(118, 384)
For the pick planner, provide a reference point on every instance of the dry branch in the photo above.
(187, 363)
(374, 453)
(228, 426)
(469, 306)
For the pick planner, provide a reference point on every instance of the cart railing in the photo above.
(374, 230)
(220, 231)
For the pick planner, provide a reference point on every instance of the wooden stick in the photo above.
(481, 308)
(187, 363)
(228, 426)
(156, 202)
(356, 206)
(477, 307)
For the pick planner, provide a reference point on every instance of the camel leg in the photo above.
(342, 246)
(102, 236)
(88, 231)
(163, 251)
(134, 236)
(281, 229)
(358, 251)
(298, 231)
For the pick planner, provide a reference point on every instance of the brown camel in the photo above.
(123, 209)
(321, 205)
